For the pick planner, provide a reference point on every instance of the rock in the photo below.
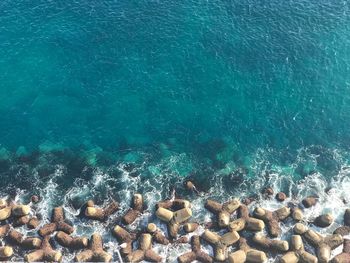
(309, 201)
(182, 215)
(125, 238)
(281, 196)
(35, 199)
(347, 217)
(268, 191)
(324, 220)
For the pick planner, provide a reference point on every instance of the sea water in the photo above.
(101, 99)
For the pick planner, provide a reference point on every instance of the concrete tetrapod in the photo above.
(343, 257)
(57, 224)
(246, 254)
(298, 253)
(144, 252)
(135, 211)
(220, 243)
(97, 213)
(44, 253)
(196, 254)
(179, 214)
(323, 245)
(272, 219)
(125, 238)
(25, 243)
(245, 222)
(223, 211)
(270, 244)
(95, 252)
(157, 235)
(345, 229)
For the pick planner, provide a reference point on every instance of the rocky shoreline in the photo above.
(236, 233)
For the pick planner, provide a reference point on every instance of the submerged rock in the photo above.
(309, 201)
(281, 196)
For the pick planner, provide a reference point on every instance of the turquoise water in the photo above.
(102, 99)
(174, 88)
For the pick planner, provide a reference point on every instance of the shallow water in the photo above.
(100, 99)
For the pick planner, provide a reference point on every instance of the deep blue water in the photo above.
(191, 88)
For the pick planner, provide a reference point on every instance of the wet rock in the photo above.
(268, 191)
(20, 221)
(35, 199)
(196, 254)
(324, 220)
(347, 217)
(281, 196)
(248, 200)
(189, 185)
(309, 201)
